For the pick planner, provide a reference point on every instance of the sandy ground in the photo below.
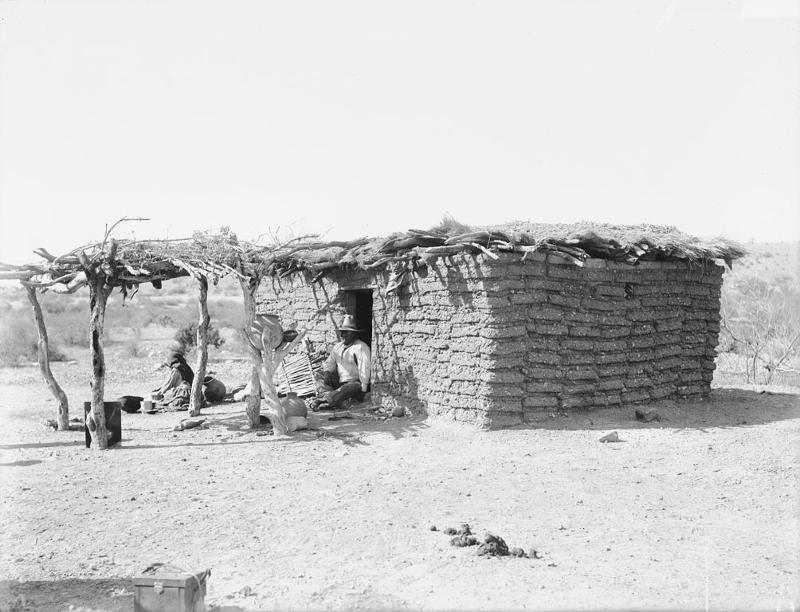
(697, 511)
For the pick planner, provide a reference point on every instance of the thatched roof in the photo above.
(574, 242)
(128, 263)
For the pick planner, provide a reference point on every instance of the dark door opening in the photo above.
(358, 303)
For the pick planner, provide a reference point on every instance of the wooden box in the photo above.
(170, 592)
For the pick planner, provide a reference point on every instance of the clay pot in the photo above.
(130, 403)
(213, 389)
(294, 406)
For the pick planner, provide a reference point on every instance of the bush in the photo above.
(761, 323)
(186, 337)
(19, 340)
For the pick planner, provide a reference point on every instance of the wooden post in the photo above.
(196, 400)
(253, 407)
(43, 356)
(98, 296)
(272, 358)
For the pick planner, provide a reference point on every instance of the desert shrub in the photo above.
(186, 337)
(19, 339)
(164, 320)
(761, 322)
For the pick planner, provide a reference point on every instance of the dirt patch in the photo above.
(695, 510)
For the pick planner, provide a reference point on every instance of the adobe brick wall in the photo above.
(498, 343)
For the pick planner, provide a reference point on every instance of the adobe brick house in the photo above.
(498, 339)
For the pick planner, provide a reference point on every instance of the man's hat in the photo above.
(349, 324)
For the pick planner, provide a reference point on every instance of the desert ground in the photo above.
(696, 511)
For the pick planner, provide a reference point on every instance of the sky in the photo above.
(349, 118)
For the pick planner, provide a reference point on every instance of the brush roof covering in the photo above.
(128, 263)
(573, 242)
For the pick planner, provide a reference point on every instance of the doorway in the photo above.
(358, 302)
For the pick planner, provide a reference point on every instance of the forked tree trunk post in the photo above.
(196, 400)
(271, 335)
(253, 406)
(98, 297)
(43, 356)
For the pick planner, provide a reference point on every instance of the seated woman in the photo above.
(176, 390)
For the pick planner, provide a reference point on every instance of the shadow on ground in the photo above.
(107, 594)
(722, 409)
(351, 428)
(111, 594)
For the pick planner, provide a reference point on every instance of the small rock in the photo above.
(433, 528)
(464, 530)
(517, 552)
(610, 437)
(450, 531)
(398, 411)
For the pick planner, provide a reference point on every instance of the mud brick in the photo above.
(551, 330)
(543, 373)
(668, 364)
(580, 373)
(583, 331)
(546, 314)
(606, 399)
(577, 345)
(612, 320)
(610, 384)
(507, 284)
(612, 291)
(639, 395)
(599, 275)
(578, 358)
(611, 370)
(606, 358)
(504, 332)
(610, 346)
(577, 401)
(540, 400)
(642, 329)
(528, 297)
(504, 362)
(543, 357)
(502, 376)
(502, 420)
(678, 300)
(507, 391)
(574, 316)
(544, 386)
(599, 304)
(642, 342)
(568, 302)
(614, 332)
(664, 326)
(663, 391)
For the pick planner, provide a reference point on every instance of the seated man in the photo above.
(347, 369)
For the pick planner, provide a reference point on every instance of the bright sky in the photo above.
(363, 118)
